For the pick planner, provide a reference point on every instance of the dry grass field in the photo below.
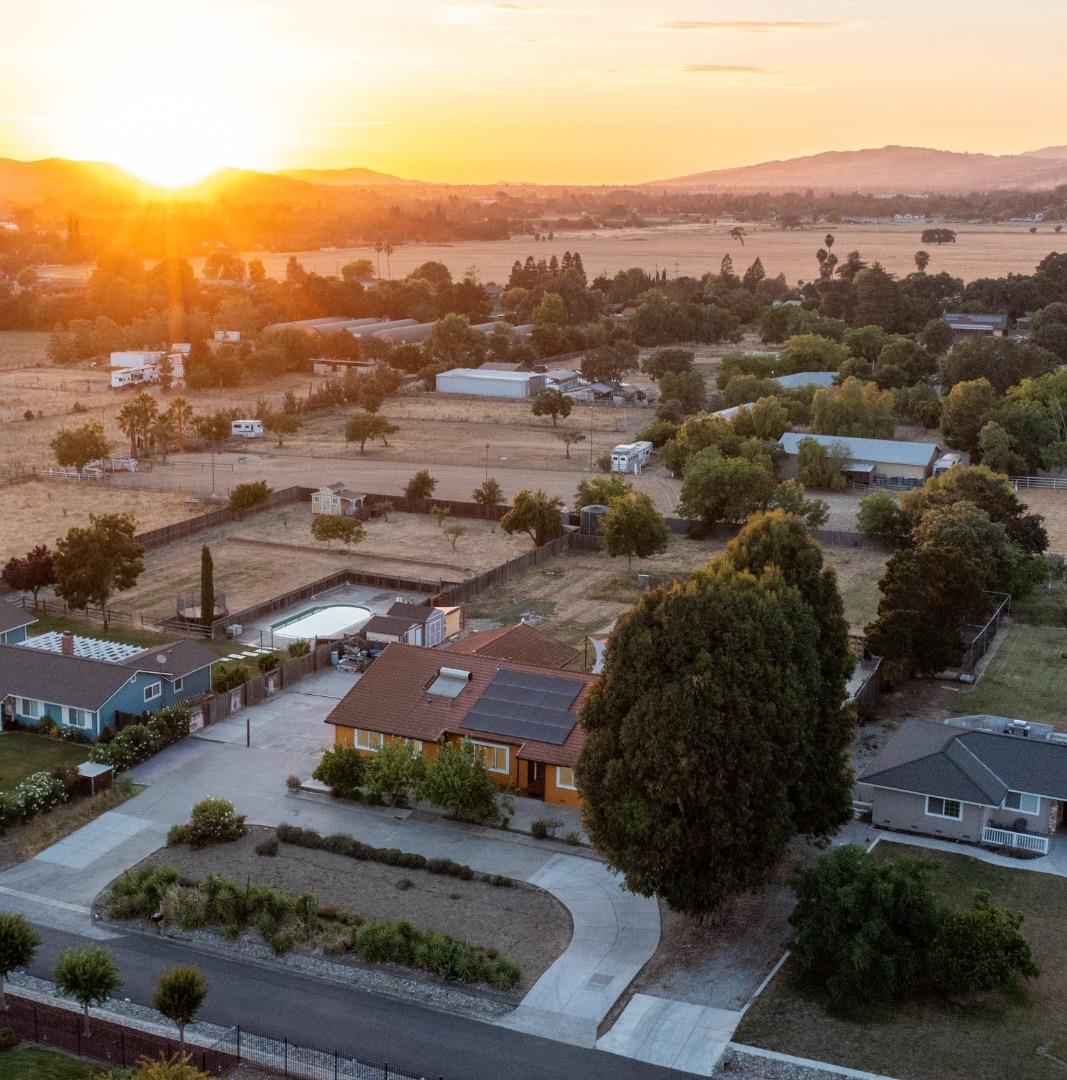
(1052, 505)
(980, 251)
(582, 593)
(269, 553)
(38, 511)
(23, 349)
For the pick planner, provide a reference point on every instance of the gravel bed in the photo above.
(739, 1066)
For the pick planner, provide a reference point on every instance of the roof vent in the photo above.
(161, 658)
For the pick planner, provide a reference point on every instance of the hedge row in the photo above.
(37, 793)
(139, 742)
(284, 920)
(340, 844)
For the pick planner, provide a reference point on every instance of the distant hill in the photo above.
(889, 170)
(60, 179)
(345, 177)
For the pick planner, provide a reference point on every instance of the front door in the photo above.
(535, 780)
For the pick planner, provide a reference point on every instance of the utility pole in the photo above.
(487, 463)
(592, 413)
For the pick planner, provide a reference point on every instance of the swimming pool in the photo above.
(322, 622)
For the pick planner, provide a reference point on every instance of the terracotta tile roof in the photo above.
(391, 698)
(521, 643)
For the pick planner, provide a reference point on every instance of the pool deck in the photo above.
(377, 601)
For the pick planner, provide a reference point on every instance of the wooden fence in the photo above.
(263, 685)
(111, 1043)
(468, 590)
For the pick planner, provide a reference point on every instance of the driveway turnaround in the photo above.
(615, 932)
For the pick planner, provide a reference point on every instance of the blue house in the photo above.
(13, 623)
(89, 684)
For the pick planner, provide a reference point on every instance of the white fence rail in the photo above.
(1046, 483)
(1008, 838)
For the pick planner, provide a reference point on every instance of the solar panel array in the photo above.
(525, 705)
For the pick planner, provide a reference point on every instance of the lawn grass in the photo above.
(125, 635)
(1026, 680)
(992, 1038)
(860, 599)
(22, 753)
(1043, 607)
(26, 1064)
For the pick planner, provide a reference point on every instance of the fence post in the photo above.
(286, 1055)
(122, 1036)
(36, 1032)
(239, 1042)
(335, 1063)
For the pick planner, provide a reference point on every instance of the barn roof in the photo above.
(883, 451)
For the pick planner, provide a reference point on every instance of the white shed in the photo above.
(337, 500)
(499, 384)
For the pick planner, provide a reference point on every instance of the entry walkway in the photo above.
(1055, 862)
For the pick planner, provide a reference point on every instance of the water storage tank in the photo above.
(590, 519)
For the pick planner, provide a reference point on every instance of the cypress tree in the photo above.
(207, 586)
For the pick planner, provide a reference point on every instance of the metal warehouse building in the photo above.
(888, 459)
(481, 383)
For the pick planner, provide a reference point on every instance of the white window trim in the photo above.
(69, 713)
(370, 743)
(178, 683)
(561, 784)
(37, 711)
(944, 802)
(506, 771)
(152, 691)
(1036, 812)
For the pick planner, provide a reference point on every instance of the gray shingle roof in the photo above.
(180, 658)
(806, 378)
(59, 679)
(12, 617)
(882, 451)
(972, 766)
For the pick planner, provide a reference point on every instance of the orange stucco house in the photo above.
(522, 718)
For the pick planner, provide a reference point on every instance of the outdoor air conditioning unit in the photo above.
(235, 630)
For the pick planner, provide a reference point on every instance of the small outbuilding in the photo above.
(337, 501)
(479, 382)
(906, 464)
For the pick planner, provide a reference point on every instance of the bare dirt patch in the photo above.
(407, 545)
(38, 511)
(525, 924)
(1052, 505)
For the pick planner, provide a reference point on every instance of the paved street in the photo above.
(377, 1028)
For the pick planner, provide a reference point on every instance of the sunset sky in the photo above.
(582, 91)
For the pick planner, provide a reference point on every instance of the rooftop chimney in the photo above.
(66, 640)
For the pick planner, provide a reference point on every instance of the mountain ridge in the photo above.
(891, 169)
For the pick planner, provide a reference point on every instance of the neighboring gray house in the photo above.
(967, 325)
(983, 779)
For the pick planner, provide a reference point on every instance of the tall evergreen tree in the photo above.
(207, 586)
(706, 722)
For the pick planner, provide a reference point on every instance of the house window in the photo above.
(1021, 801)
(178, 684)
(30, 708)
(152, 691)
(565, 778)
(946, 808)
(369, 740)
(79, 718)
(496, 758)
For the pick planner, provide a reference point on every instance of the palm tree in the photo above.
(828, 240)
(181, 414)
(388, 264)
(922, 261)
(162, 432)
(378, 246)
(737, 233)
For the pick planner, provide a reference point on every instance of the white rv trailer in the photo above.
(630, 457)
(246, 429)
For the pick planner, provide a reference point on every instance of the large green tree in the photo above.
(717, 489)
(633, 526)
(822, 794)
(706, 720)
(95, 561)
(76, 447)
(536, 514)
(862, 927)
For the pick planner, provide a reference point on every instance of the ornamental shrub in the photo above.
(139, 742)
(212, 821)
(341, 770)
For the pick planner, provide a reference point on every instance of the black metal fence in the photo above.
(287, 1058)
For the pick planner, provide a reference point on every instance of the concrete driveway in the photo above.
(615, 932)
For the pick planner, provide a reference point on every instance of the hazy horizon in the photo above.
(547, 93)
